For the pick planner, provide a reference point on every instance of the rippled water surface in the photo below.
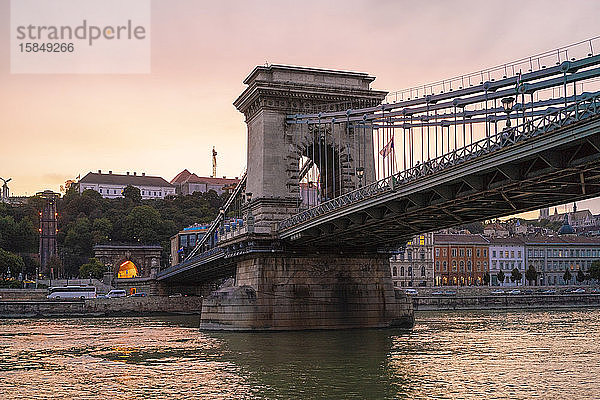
(470, 355)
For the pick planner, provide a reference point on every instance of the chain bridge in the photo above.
(341, 175)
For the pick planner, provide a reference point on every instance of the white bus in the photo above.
(72, 292)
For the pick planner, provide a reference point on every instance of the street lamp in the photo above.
(360, 172)
(507, 104)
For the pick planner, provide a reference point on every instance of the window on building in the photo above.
(421, 240)
(401, 271)
(422, 270)
(485, 252)
(100, 190)
(183, 240)
(445, 251)
(462, 252)
(409, 271)
(462, 266)
(529, 253)
(512, 254)
(422, 255)
(445, 266)
(409, 255)
(506, 254)
(494, 253)
(437, 266)
(454, 265)
(485, 265)
(453, 252)
(437, 252)
(469, 252)
(395, 271)
(478, 253)
(478, 265)
(469, 266)
(519, 254)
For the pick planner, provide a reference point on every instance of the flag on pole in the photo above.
(518, 82)
(388, 148)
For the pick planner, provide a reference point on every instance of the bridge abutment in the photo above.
(317, 291)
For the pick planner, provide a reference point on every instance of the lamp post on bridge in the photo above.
(360, 172)
(507, 104)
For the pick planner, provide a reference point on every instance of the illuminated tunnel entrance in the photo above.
(127, 270)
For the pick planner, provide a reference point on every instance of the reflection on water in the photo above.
(547, 354)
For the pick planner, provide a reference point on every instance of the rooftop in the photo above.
(129, 179)
(439, 238)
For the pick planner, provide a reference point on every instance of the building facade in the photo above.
(505, 255)
(186, 183)
(111, 185)
(460, 259)
(551, 256)
(184, 241)
(414, 266)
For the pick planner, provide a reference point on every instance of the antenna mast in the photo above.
(214, 162)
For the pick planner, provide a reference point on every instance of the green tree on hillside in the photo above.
(10, 261)
(93, 268)
(142, 225)
(132, 194)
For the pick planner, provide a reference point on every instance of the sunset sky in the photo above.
(55, 127)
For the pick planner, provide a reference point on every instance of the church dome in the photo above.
(566, 229)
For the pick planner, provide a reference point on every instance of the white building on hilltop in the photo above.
(111, 185)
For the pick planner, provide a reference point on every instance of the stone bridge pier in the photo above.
(299, 288)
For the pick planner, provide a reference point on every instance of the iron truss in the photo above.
(549, 160)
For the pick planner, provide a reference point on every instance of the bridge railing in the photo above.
(588, 105)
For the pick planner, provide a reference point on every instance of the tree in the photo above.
(594, 270)
(580, 276)
(10, 261)
(486, 278)
(93, 268)
(143, 225)
(55, 266)
(516, 275)
(567, 275)
(531, 274)
(500, 276)
(132, 194)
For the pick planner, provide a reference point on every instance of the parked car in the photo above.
(138, 294)
(438, 293)
(411, 291)
(176, 295)
(450, 293)
(497, 291)
(595, 290)
(578, 290)
(102, 296)
(549, 291)
(116, 293)
(515, 291)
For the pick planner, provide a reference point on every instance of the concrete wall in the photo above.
(288, 292)
(534, 301)
(102, 307)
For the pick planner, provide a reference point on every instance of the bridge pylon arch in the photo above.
(275, 147)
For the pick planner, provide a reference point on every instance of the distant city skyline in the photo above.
(56, 127)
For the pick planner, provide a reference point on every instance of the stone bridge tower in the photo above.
(275, 147)
(297, 288)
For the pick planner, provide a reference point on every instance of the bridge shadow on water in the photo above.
(349, 364)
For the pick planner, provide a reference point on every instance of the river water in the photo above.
(466, 355)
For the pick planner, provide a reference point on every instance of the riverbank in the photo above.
(126, 306)
(505, 301)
